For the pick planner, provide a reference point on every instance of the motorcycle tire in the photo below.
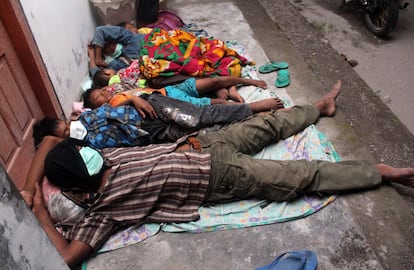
(383, 20)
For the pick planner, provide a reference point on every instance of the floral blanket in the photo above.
(168, 53)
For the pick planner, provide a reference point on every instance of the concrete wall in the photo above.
(62, 30)
(23, 243)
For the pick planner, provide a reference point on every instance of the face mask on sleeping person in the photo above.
(117, 52)
(77, 130)
(92, 159)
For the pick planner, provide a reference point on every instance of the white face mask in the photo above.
(77, 130)
(117, 52)
(92, 159)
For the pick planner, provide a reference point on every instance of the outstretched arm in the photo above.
(73, 252)
(36, 171)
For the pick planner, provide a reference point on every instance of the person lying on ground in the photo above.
(190, 90)
(167, 53)
(179, 52)
(128, 79)
(203, 168)
(117, 41)
(168, 119)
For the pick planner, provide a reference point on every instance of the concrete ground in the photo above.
(367, 230)
(384, 64)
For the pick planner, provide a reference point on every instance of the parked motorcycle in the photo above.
(381, 16)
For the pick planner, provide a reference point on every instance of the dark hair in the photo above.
(100, 79)
(65, 168)
(122, 24)
(46, 126)
(86, 96)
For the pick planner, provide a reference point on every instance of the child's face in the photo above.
(62, 129)
(101, 96)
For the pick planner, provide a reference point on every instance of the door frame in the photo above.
(14, 20)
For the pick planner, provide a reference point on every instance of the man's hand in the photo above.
(144, 108)
(98, 58)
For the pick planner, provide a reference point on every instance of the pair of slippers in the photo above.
(283, 75)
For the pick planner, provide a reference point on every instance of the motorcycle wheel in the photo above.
(382, 20)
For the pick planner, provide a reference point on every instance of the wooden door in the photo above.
(19, 110)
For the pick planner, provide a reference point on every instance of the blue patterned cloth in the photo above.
(109, 126)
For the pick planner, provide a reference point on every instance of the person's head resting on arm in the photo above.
(114, 56)
(112, 48)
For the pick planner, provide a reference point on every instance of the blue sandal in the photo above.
(273, 66)
(283, 78)
(294, 260)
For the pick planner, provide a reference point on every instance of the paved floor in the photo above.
(386, 65)
(370, 230)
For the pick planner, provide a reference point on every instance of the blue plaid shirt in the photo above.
(109, 126)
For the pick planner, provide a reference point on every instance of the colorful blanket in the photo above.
(168, 53)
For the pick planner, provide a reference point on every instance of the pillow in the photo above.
(63, 211)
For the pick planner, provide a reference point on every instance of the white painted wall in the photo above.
(62, 30)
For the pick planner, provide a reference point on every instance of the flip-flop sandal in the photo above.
(294, 260)
(273, 66)
(283, 78)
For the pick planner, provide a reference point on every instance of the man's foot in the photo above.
(326, 105)
(403, 176)
(266, 105)
(222, 93)
(234, 94)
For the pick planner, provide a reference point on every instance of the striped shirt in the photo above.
(146, 184)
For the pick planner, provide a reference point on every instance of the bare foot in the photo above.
(266, 105)
(403, 176)
(234, 94)
(222, 93)
(326, 105)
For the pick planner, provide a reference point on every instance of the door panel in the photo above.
(19, 110)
